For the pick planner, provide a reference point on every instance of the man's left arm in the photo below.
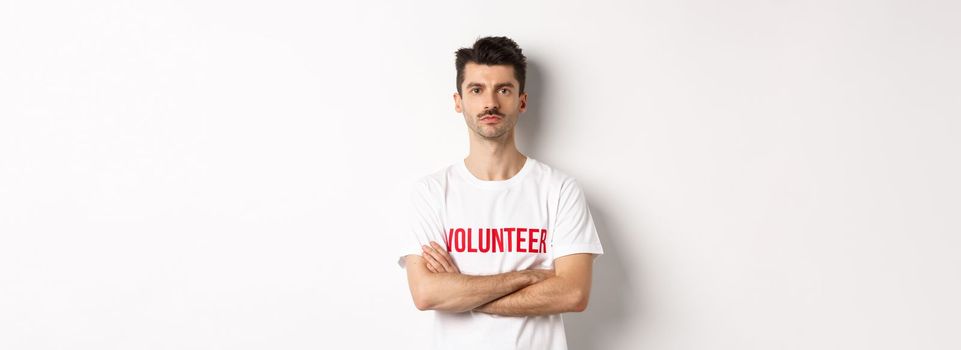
(568, 291)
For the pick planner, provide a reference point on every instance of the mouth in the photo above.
(490, 118)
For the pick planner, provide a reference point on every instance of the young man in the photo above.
(501, 244)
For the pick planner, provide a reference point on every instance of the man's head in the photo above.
(490, 83)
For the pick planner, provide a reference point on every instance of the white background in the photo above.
(227, 175)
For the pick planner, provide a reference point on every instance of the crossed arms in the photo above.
(437, 284)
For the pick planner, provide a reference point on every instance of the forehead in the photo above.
(488, 75)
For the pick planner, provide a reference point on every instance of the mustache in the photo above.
(492, 112)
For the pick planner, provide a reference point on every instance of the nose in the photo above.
(490, 101)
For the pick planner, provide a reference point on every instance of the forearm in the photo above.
(455, 292)
(551, 296)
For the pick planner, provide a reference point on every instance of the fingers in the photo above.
(441, 260)
(435, 258)
(432, 264)
(445, 257)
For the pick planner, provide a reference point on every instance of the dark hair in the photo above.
(492, 50)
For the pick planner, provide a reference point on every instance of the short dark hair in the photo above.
(492, 50)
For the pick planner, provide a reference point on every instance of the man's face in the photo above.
(490, 100)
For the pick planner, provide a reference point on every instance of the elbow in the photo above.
(579, 299)
(422, 303)
(426, 301)
(427, 297)
(422, 296)
(580, 307)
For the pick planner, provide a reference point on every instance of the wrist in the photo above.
(529, 277)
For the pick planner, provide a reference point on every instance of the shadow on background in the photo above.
(528, 135)
(611, 291)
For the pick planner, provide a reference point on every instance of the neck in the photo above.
(494, 160)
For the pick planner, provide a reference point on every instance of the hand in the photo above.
(437, 259)
(540, 274)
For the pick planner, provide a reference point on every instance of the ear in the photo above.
(457, 103)
(523, 98)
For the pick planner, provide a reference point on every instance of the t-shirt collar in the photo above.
(495, 184)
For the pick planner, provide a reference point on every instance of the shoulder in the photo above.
(557, 178)
(434, 182)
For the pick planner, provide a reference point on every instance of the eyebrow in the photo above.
(508, 84)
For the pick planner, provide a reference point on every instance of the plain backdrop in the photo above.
(228, 174)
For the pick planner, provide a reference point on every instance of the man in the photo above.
(501, 243)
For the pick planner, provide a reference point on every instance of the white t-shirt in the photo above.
(492, 227)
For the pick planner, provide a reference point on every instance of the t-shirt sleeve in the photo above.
(424, 220)
(574, 230)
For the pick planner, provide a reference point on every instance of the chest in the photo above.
(489, 233)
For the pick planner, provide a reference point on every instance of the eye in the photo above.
(474, 90)
(505, 91)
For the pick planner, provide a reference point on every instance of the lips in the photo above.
(490, 116)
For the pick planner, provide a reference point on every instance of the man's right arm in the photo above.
(456, 292)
